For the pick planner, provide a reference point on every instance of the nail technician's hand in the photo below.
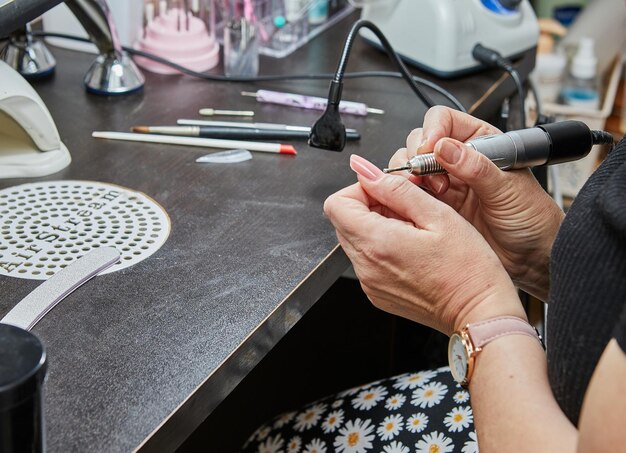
(509, 208)
(415, 256)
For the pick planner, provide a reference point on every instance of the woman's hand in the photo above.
(510, 209)
(415, 256)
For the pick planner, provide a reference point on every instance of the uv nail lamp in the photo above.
(438, 35)
(30, 145)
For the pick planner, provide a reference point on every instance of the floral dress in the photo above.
(415, 412)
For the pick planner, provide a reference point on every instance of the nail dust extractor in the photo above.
(438, 35)
(30, 145)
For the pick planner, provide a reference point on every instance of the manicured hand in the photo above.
(514, 214)
(415, 256)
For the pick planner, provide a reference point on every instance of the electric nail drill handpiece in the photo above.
(547, 144)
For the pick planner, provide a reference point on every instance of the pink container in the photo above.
(188, 44)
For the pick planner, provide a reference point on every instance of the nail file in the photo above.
(30, 310)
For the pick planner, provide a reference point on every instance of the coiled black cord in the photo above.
(602, 138)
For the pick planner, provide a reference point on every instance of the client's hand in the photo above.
(415, 256)
(510, 209)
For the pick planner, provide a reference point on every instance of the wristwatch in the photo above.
(465, 344)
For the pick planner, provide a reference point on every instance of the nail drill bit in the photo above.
(552, 143)
(392, 170)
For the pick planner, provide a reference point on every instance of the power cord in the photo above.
(542, 118)
(269, 78)
(328, 132)
(602, 138)
(347, 47)
(492, 58)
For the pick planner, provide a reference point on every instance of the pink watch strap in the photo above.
(483, 332)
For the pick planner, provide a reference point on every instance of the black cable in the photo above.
(343, 61)
(490, 57)
(268, 78)
(454, 101)
(542, 118)
(520, 93)
(505, 111)
(328, 132)
(602, 138)
(223, 78)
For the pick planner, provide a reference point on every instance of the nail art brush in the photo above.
(231, 133)
(186, 122)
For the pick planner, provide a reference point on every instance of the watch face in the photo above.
(457, 357)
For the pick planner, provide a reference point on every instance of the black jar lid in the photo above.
(22, 365)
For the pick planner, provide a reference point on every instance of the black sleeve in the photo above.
(613, 201)
(619, 333)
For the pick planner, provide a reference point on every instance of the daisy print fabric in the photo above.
(419, 412)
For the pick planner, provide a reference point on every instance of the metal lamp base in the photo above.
(113, 74)
(30, 57)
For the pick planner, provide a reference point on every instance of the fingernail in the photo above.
(431, 139)
(365, 168)
(449, 151)
(437, 184)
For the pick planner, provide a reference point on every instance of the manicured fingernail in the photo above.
(437, 184)
(449, 151)
(365, 168)
(422, 145)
